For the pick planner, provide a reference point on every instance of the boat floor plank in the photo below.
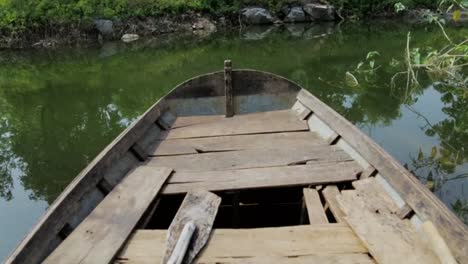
(99, 237)
(388, 238)
(329, 193)
(348, 258)
(181, 182)
(369, 188)
(184, 121)
(254, 158)
(237, 142)
(314, 207)
(263, 122)
(293, 241)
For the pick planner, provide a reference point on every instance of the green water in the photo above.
(58, 109)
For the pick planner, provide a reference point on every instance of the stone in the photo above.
(204, 24)
(319, 12)
(105, 27)
(130, 37)
(284, 11)
(296, 15)
(256, 16)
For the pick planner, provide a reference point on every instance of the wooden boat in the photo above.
(298, 183)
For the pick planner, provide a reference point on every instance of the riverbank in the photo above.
(192, 18)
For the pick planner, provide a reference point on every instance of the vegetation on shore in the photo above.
(18, 15)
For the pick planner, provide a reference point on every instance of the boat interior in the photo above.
(285, 180)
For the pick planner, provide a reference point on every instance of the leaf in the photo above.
(371, 64)
(372, 54)
(420, 155)
(394, 63)
(456, 15)
(359, 66)
(351, 80)
(399, 7)
(434, 152)
(464, 3)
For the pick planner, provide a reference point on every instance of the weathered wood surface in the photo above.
(178, 254)
(181, 182)
(239, 142)
(329, 239)
(404, 212)
(329, 193)
(388, 238)
(322, 259)
(438, 244)
(368, 172)
(302, 111)
(200, 208)
(370, 189)
(99, 237)
(264, 122)
(346, 258)
(185, 121)
(314, 207)
(42, 239)
(229, 93)
(253, 158)
(418, 197)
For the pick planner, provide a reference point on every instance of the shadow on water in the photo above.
(58, 109)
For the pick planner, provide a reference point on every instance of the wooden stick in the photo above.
(182, 244)
(228, 88)
(438, 243)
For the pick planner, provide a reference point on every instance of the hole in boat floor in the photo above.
(243, 209)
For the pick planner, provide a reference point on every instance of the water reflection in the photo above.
(59, 109)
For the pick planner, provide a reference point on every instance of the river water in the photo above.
(59, 108)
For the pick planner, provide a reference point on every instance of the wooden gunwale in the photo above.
(42, 238)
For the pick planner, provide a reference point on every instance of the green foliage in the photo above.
(19, 14)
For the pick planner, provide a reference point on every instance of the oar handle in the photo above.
(182, 244)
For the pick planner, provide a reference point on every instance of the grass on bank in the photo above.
(16, 15)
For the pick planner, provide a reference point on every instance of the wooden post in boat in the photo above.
(228, 88)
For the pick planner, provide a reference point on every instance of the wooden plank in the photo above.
(253, 158)
(368, 172)
(99, 237)
(418, 197)
(369, 189)
(438, 243)
(404, 212)
(333, 138)
(329, 193)
(302, 111)
(322, 259)
(291, 241)
(347, 258)
(314, 207)
(388, 238)
(139, 152)
(228, 88)
(264, 122)
(166, 120)
(184, 121)
(238, 142)
(181, 182)
(200, 209)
